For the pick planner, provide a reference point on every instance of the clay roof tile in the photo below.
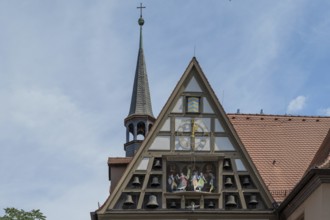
(281, 146)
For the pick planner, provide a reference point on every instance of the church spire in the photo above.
(141, 101)
(140, 117)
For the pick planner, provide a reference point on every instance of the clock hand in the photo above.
(194, 128)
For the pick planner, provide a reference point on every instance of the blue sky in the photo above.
(67, 71)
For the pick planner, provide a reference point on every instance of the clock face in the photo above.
(183, 135)
(192, 135)
(201, 135)
(200, 143)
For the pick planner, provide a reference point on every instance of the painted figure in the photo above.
(183, 181)
(171, 183)
(211, 181)
(201, 182)
(194, 180)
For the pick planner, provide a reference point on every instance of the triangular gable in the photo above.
(191, 159)
(193, 86)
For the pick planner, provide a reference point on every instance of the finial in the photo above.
(141, 20)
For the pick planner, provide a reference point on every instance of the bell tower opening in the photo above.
(141, 131)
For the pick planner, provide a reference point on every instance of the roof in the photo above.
(141, 101)
(119, 160)
(281, 146)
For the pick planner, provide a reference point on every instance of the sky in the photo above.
(67, 70)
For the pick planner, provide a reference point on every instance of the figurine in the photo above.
(211, 181)
(200, 183)
(194, 180)
(183, 181)
(171, 183)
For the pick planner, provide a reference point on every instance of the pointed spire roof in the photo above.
(141, 101)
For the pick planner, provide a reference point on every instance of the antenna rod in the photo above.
(195, 50)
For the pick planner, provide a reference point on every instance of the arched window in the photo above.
(141, 131)
(130, 132)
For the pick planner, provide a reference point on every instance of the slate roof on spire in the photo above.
(141, 101)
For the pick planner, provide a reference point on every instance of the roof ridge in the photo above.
(278, 115)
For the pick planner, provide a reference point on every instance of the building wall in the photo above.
(316, 206)
(116, 174)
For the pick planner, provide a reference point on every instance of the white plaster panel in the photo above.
(204, 123)
(193, 86)
(178, 108)
(167, 125)
(218, 126)
(239, 165)
(143, 164)
(182, 143)
(202, 143)
(206, 106)
(223, 144)
(183, 124)
(161, 143)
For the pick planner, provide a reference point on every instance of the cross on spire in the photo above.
(141, 7)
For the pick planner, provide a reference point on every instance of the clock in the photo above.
(184, 138)
(200, 134)
(192, 134)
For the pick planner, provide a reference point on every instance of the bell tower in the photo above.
(140, 117)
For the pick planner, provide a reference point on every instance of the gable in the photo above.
(191, 159)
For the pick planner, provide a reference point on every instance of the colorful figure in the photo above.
(171, 183)
(201, 182)
(194, 180)
(183, 181)
(211, 181)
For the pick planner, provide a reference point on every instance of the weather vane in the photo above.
(141, 7)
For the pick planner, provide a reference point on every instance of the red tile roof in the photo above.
(281, 147)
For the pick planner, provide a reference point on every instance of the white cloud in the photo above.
(296, 104)
(324, 111)
(50, 146)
